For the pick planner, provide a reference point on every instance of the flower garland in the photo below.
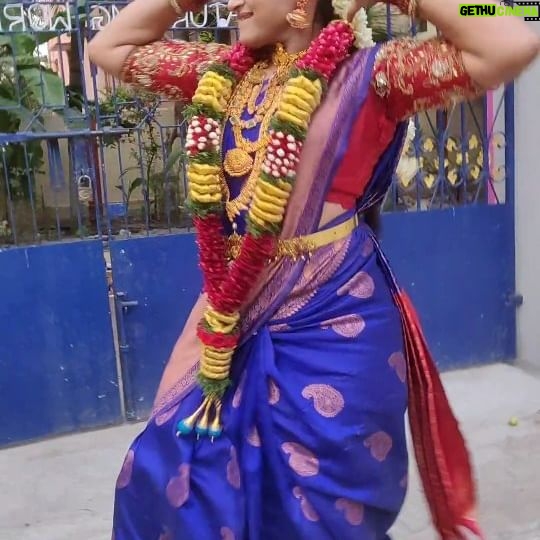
(228, 286)
(363, 34)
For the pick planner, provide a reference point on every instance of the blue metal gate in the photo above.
(449, 230)
(57, 358)
(98, 266)
(156, 282)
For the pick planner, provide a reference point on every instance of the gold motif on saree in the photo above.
(233, 470)
(253, 437)
(301, 460)
(379, 444)
(307, 508)
(327, 400)
(352, 511)
(347, 326)
(273, 392)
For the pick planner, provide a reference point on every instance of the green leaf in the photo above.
(81, 6)
(224, 70)
(274, 181)
(46, 85)
(137, 183)
(22, 44)
(22, 114)
(174, 157)
(26, 60)
(196, 109)
(73, 118)
(289, 129)
(8, 123)
(128, 170)
(258, 231)
(203, 209)
(8, 103)
(212, 387)
(207, 158)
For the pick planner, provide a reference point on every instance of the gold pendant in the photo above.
(237, 162)
(234, 245)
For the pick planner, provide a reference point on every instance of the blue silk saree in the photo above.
(314, 423)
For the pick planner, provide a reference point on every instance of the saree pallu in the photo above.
(314, 445)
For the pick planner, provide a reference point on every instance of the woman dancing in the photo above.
(280, 414)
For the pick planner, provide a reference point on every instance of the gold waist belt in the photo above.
(302, 246)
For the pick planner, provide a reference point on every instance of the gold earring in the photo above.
(298, 17)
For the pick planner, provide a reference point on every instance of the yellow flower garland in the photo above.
(301, 96)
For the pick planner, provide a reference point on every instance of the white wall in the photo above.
(527, 124)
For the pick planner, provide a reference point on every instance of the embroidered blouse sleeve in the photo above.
(413, 75)
(171, 68)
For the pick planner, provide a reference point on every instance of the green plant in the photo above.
(156, 160)
(25, 88)
(124, 107)
(206, 36)
(28, 90)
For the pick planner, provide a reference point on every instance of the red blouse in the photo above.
(409, 76)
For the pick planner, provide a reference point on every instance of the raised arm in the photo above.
(412, 76)
(474, 55)
(131, 47)
(170, 68)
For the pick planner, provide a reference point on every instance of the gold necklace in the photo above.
(239, 161)
(246, 95)
(240, 203)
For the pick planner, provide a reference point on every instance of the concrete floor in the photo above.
(62, 489)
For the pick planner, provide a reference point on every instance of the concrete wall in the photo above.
(527, 118)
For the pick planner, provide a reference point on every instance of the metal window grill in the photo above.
(83, 156)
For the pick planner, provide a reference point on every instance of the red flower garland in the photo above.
(323, 57)
(212, 245)
(228, 286)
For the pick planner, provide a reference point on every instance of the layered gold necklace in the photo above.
(248, 156)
